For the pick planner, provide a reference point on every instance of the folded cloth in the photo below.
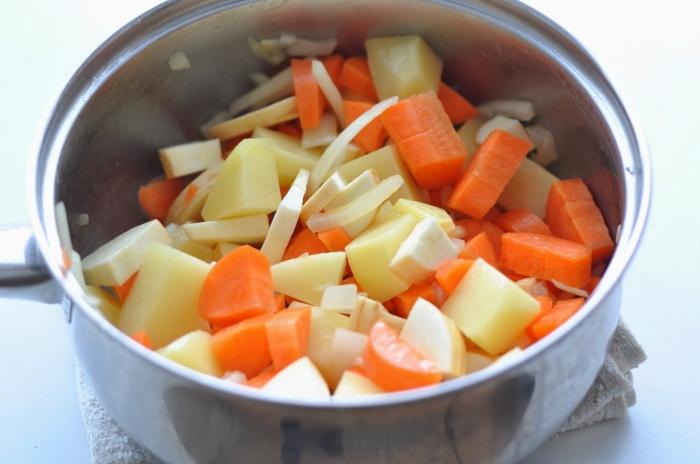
(609, 397)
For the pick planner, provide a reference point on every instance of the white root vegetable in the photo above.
(545, 146)
(189, 158)
(216, 118)
(281, 111)
(245, 229)
(518, 109)
(322, 135)
(277, 87)
(324, 195)
(339, 298)
(329, 89)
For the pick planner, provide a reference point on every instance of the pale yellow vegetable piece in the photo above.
(281, 111)
(322, 135)
(545, 146)
(164, 298)
(340, 298)
(188, 158)
(103, 302)
(321, 332)
(370, 253)
(322, 196)
(300, 379)
(178, 61)
(246, 229)
(216, 118)
(386, 212)
(352, 385)
(346, 348)
(193, 350)
(352, 191)
(223, 248)
(528, 189)
(188, 207)
(436, 336)
(247, 183)
(402, 66)
(76, 267)
(306, 277)
(386, 162)
(474, 362)
(368, 311)
(62, 226)
(290, 157)
(329, 89)
(513, 353)
(181, 241)
(115, 261)
(518, 109)
(512, 126)
(490, 309)
(468, 133)
(420, 210)
(278, 86)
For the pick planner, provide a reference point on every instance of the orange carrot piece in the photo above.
(473, 227)
(395, 365)
(239, 286)
(456, 106)
(522, 220)
(334, 66)
(546, 258)
(480, 247)
(370, 138)
(288, 335)
(304, 241)
(288, 128)
(355, 76)
(546, 304)
(595, 280)
(514, 276)
(435, 197)
(561, 312)
(335, 239)
(450, 273)
(488, 172)
(141, 337)
(123, 290)
(262, 378)
(157, 196)
(243, 346)
(572, 214)
(493, 214)
(428, 290)
(280, 302)
(310, 99)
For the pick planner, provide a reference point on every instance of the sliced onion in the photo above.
(322, 135)
(518, 109)
(354, 210)
(178, 61)
(570, 289)
(259, 78)
(329, 89)
(333, 155)
(510, 125)
(311, 47)
(545, 147)
(278, 86)
(533, 286)
(269, 50)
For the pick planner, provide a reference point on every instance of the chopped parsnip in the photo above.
(246, 229)
(224, 248)
(322, 135)
(192, 350)
(281, 111)
(181, 241)
(306, 277)
(324, 195)
(188, 205)
(188, 158)
(352, 191)
(420, 211)
(321, 332)
(368, 311)
(277, 87)
(340, 298)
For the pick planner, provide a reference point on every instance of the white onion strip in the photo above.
(570, 289)
(277, 87)
(518, 109)
(329, 89)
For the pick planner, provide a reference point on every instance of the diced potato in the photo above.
(188, 158)
(386, 162)
(436, 336)
(165, 296)
(420, 254)
(188, 205)
(353, 385)
(285, 220)
(545, 146)
(321, 332)
(340, 298)
(352, 191)
(299, 379)
(468, 133)
(368, 311)
(247, 229)
(402, 66)
(289, 156)
(306, 277)
(474, 362)
(281, 111)
(512, 126)
(247, 183)
(420, 211)
(370, 253)
(104, 303)
(115, 261)
(181, 241)
(321, 197)
(528, 189)
(490, 309)
(322, 135)
(193, 350)
(346, 348)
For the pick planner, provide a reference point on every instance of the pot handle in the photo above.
(23, 273)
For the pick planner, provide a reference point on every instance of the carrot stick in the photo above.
(310, 100)
(288, 335)
(280, 302)
(450, 273)
(370, 138)
(335, 239)
(355, 76)
(522, 220)
(456, 106)
(239, 286)
(493, 214)
(473, 227)
(334, 66)
(288, 128)
(243, 346)
(304, 241)
(480, 247)
(428, 290)
(141, 337)
(572, 214)
(595, 280)
(262, 378)
(548, 321)
(488, 172)
(123, 290)
(546, 258)
(157, 196)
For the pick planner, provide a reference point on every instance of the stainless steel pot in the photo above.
(98, 146)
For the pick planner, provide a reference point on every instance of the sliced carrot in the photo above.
(239, 286)
(280, 302)
(546, 304)
(141, 337)
(514, 276)
(493, 214)
(262, 378)
(428, 290)
(550, 320)
(450, 273)
(288, 128)
(456, 106)
(480, 247)
(334, 66)
(310, 99)
(488, 172)
(389, 305)
(370, 138)
(304, 241)
(473, 227)
(355, 76)
(123, 290)
(547, 258)
(595, 280)
(157, 196)
(335, 239)
(243, 346)
(395, 365)
(288, 335)
(572, 214)
(522, 220)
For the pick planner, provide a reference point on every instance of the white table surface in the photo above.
(651, 51)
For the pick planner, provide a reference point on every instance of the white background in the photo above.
(651, 50)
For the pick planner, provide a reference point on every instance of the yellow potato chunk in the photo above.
(420, 211)
(104, 303)
(353, 385)
(290, 157)
(528, 189)
(300, 379)
(193, 350)
(247, 183)
(402, 66)
(305, 278)
(189, 158)
(321, 333)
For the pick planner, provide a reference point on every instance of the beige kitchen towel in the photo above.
(609, 397)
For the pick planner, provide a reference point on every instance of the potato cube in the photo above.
(528, 189)
(321, 332)
(420, 211)
(353, 385)
(193, 350)
(305, 278)
(188, 158)
(346, 348)
(299, 379)
(290, 157)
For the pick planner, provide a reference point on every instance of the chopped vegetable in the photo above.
(351, 192)
(450, 273)
(427, 290)
(521, 220)
(141, 337)
(193, 350)
(569, 289)
(456, 106)
(246, 229)
(335, 239)
(288, 335)
(479, 247)
(370, 138)
(304, 278)
(157, 196)
(301, 379)
(550, 320)
(324, 324)
(368, 311)
(178, 61)
(545, 146)
(269, 50)
(468, 133)
(420, 211)
(334, 66)
(518, 109)
(181, 160)
(277, 87)
(304, 242)
(473, 227)
(243, 346)
(289, 155)
(322, 135)
(181, 241)
(281, 111)
(355, 76)
(512, 126)
(323, 195)
(528, 189)
(312, 47)
(352, 385)
(339, 298)
(123, 290)
(262, 378)
(330, 91)
(309, 98)
(346, 348)
(188, 204)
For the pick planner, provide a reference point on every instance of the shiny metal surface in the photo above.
(99, 145)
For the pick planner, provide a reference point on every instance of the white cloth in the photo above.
(609, 397)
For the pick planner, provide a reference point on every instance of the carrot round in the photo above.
(428, 290)
(473, 227)
(280, 303)
(141, 337)
(572, 214)
(123, 290)
(356, 78)
(456, 106)
(262, 378)
(304, 241)
(335, 239)
(480, 247)
(239, 286)
(370, 138)
(548, 321)
(157, 196)
(334, 66)
(547, 258)
(288, 335)
(310, 100)
(522, 220)
(395, 365)
(450, 273)
(243, 346)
